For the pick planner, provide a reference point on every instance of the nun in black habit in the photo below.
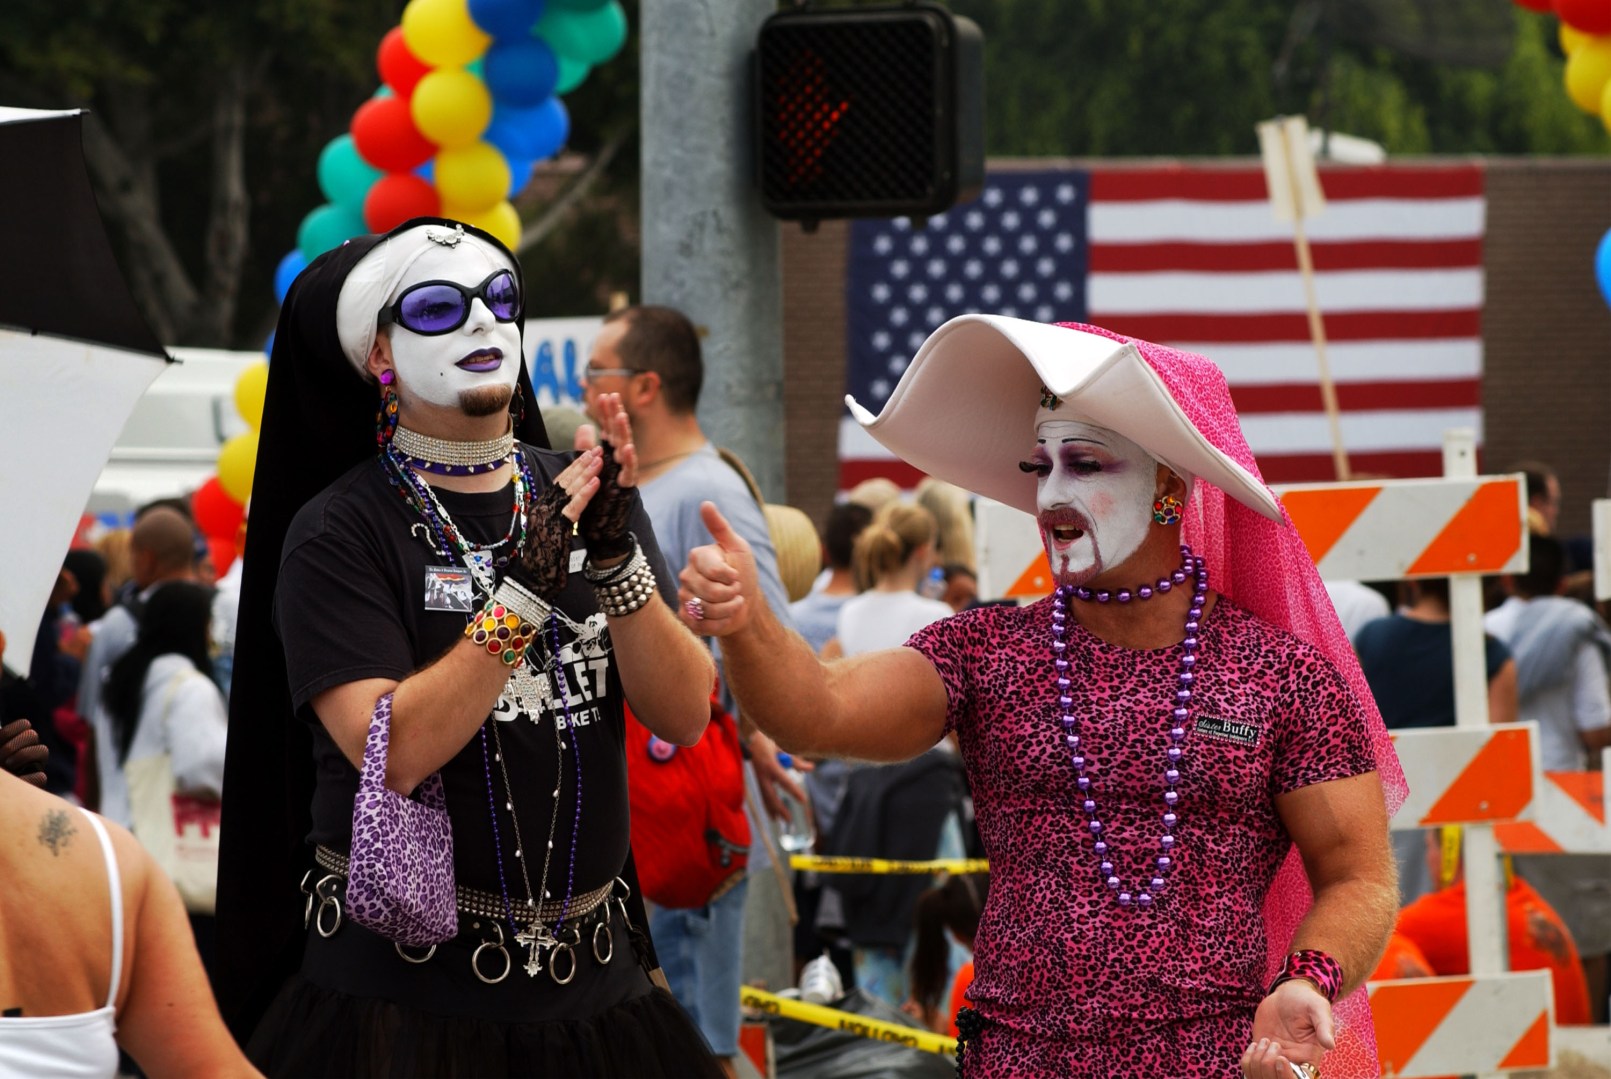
(370, 565)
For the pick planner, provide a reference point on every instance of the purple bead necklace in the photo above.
(1190, 566)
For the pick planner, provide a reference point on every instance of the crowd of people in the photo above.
(472, 642)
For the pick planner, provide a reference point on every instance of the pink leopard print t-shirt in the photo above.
(1056, 957)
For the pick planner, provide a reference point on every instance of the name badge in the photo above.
(449, 588)
(1229, 730)
(578, 557)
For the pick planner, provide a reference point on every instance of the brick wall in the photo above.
(1546, 334)
(1546, 387)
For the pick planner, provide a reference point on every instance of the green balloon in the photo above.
(589, 36)
(326, 227)
(344, 176)
(577, 5)
(571, 73)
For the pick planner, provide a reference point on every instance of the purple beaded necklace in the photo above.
(1190, 566)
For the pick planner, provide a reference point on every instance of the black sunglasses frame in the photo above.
(391, 315)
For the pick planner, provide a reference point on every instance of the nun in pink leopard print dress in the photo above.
(1181, 780)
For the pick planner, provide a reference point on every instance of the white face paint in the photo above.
(479, 357)
(1094, 490)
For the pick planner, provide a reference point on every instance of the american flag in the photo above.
(1191, 256)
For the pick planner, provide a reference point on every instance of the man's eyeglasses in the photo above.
(591, 373)
(437, 307)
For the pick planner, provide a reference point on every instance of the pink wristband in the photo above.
(1313, 965)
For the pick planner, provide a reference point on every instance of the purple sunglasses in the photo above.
(437, 307)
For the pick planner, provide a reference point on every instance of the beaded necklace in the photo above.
(446, 537)
(1191, 566)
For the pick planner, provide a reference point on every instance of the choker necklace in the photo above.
(1191, 566)
(445, 458)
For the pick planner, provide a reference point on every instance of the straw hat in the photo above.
(965, 407)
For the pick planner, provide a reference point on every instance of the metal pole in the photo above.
(708, 247)
(1485, 888)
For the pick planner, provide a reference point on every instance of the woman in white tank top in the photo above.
(96, 952)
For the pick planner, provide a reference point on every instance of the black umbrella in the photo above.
(75, 355)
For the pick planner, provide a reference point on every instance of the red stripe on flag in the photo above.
(1252, 257)
(1278, 468)
(1247, 185)
(1360, 396)
(1249, 329)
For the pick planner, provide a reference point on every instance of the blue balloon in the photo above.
(506, 18)
(427, 171)
(268, 346)
(522, 71)
(1602, 266)
(292, 264)
(519, 175)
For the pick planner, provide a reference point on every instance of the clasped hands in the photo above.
(591, 495)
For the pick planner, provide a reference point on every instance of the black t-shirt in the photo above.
(1410, 667)
(363, 593)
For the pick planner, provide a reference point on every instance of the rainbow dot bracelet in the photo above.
(509, 621)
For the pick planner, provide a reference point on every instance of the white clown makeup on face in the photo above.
(473, 368)
(1094, 491)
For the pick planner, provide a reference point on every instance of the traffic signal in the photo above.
(868, 112)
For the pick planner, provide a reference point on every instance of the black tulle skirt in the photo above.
(358, 1009)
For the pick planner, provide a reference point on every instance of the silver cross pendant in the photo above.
(529, 690)
(537, 941)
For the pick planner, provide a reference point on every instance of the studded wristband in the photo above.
(623, 595)
(1315, 966)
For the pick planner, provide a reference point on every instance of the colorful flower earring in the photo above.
(386, 417)
(1166, 511)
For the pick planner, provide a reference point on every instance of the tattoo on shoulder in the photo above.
(55, 830)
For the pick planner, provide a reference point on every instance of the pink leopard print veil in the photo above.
(1267, 570)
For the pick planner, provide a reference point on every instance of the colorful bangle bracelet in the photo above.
(1315, 966)
(502, 632)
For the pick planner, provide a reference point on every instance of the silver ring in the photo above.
(605, 954)
(696, 609)
(411, 959)
(475, 956)
(553, 963)
(333, 902)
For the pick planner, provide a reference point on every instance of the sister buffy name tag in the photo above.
(1229, 730)
(578, 559)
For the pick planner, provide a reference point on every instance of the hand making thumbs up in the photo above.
(719, 590)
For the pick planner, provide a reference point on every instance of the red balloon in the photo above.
(1588, 16)
(396, 197)
(217, 515)
(386, 137)
(399, 68)
(222, 552)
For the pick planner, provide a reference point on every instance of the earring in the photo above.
(517, 407)
(1166, 511)
(386, 417)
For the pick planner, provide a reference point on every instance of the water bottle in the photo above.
(933, 586)
(820, 982)
(797, 835)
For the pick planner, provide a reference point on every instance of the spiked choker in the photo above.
(444, 458)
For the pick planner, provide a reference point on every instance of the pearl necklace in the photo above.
(1191, 566)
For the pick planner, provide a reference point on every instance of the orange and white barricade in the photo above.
(1461, 526)
(1012, 559)
(1463, 1025)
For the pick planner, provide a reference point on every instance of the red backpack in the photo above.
(689, 831)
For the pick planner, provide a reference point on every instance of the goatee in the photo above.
(486, 401)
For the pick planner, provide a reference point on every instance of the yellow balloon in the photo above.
(1605, 107)
(249, 390)
(502, 220)
(1587, 71)
(441, 32)
(451, 107)
(473, 177)
(237, 461)
(1571, 38)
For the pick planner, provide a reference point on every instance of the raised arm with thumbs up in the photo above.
(878, 706)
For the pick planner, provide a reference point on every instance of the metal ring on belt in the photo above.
(479, 904)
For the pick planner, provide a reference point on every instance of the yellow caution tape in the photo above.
(849, 1022)
(824, 864)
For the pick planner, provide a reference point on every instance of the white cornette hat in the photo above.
(965, 408)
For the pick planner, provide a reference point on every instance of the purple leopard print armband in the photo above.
(1315, 966)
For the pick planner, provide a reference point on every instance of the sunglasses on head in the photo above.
(436, 307)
